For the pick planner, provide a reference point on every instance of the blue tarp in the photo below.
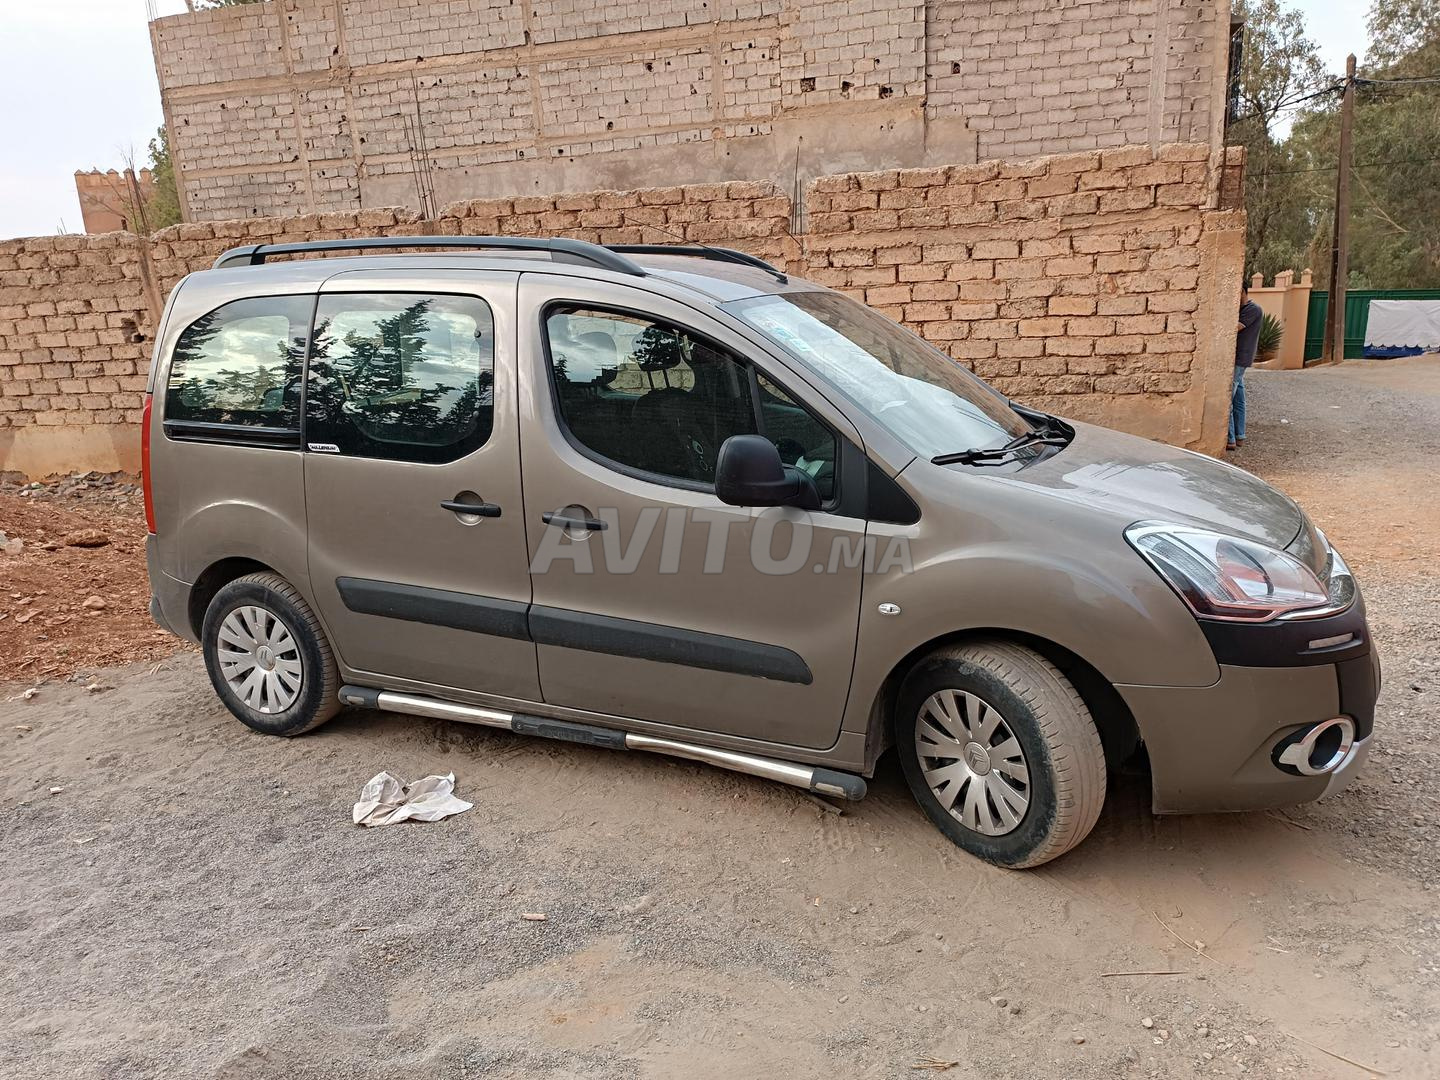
(1389, 352)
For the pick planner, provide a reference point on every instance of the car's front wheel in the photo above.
(1000, 752)
(268, 657)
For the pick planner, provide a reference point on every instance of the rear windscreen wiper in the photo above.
(999, 453)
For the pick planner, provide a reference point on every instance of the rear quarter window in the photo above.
(241, 364)
(401, 376)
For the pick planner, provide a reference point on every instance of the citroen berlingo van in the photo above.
(674, 500)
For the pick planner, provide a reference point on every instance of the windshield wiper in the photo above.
(1051, 425)
(997, 454)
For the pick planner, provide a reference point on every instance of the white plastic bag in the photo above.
(386, 799)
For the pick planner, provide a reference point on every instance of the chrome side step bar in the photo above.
(810, 777)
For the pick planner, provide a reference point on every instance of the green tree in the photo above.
(1279, 71)
(1395, 212)
(164, 205)
(1404, 34)
(1394, 224)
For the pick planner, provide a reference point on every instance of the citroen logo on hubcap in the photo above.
(978, 758)
(265, 658)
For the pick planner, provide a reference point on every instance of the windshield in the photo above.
(924, 398)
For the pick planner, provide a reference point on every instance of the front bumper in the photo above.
(1212, 748)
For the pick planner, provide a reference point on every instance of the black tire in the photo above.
(316, 700)
(1062, 749)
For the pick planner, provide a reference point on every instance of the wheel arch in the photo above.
(1119, 733)
(214, 578)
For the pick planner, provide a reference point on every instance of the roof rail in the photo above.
(561, 249)
(701, 251)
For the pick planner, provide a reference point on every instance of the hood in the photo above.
(1140, 480)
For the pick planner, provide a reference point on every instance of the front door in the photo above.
(412, 481)
(652, 599)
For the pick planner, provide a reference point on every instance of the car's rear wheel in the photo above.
(268, 657)
(1000, 752)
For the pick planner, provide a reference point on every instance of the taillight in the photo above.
(145, 467)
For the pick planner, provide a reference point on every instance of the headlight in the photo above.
(1341, 585)
(1226, 577)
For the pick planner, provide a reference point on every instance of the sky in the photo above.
(77, 80)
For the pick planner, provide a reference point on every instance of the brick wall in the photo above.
(295, 106)
(1097, 285)
(76, 313)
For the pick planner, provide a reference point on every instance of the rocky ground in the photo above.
(73, 590)
(183, 898)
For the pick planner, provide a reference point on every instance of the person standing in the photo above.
(1247, 339)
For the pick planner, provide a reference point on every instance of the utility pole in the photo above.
(1334, 348)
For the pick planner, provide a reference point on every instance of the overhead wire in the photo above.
(1409, 79)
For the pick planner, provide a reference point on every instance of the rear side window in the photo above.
(240, 364)
(403, 376)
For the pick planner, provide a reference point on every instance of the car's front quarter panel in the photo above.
(988, 555)
(1213, 748)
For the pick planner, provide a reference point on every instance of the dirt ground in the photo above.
(73, 590)
(183, 898)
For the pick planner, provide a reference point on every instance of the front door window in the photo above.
(660, 401)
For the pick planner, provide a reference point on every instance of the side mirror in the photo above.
(749, 472)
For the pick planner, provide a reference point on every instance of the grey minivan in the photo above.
(672, 499)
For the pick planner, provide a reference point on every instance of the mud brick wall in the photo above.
(301, 106)
(737, 214)
(1096, 285)
(76, 314)
(1100, 285)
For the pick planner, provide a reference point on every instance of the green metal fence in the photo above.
(1357, 316)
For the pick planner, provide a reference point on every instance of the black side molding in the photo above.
(666, 645)
(439, 607)
(573, 629)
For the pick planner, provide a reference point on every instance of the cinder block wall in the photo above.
(1096, 285)
(297, 106)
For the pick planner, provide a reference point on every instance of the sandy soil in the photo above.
(192, 901)
(1358, 446)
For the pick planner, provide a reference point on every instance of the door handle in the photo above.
(555, 517)
(489, 510)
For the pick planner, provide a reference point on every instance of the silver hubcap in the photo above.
(972, 762)
(260, 659)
